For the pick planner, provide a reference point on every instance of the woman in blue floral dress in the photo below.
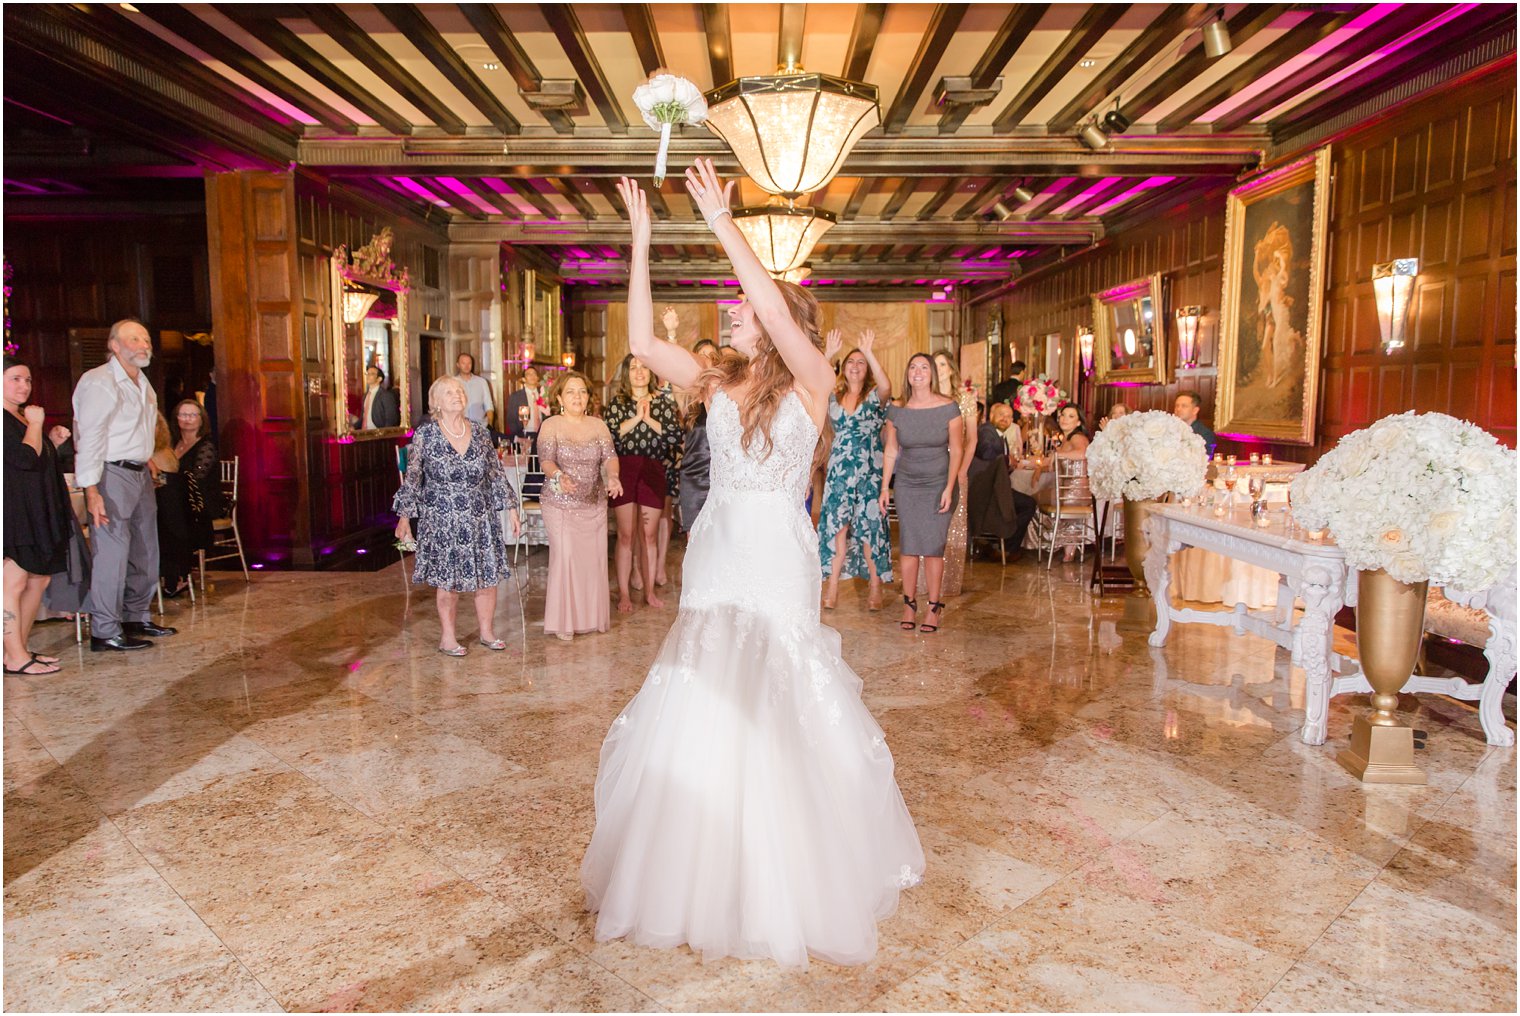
(852, 531)
(456, 489)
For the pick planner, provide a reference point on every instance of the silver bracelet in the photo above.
(715, 216)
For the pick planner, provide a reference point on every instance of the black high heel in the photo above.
(935, 607)
(908, 625)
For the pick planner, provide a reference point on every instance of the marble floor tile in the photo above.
(297, 803)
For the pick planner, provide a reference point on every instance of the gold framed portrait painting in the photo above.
(1272, 312)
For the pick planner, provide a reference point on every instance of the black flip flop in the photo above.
(25, 670)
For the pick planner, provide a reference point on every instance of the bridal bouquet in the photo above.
(1422, 496)
(1146, 455)
(1039, 397)
(666, 100)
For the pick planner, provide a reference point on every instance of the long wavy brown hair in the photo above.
(771, 377)
(841, 385)
(622, 387)
(955, 374)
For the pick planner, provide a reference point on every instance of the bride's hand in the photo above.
(710, 194)
(638, 209)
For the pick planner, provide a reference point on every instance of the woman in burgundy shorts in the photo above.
(646, 432)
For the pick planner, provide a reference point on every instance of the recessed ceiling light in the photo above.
(490, 66)
(1087, 64)
(130, 7)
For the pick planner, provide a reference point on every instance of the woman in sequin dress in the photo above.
(456, 489)
(852, 530)
(947, 382)
(580, 471)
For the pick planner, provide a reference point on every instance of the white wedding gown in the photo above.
(745, 803)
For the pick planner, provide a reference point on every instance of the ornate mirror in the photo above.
(1129, 333)
(370, 348)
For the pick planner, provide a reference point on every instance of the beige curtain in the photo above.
(902, 329)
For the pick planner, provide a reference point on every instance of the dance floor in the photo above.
(296, 803)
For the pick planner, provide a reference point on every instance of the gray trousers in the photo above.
(123, 553)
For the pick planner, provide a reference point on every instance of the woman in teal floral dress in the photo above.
(852, 531)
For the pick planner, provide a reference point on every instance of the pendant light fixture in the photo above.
(782, 235)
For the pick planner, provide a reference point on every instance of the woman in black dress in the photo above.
(456, 488)
(36, 520)
(191, 499)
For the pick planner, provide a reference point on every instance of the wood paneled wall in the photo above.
(1434, 179)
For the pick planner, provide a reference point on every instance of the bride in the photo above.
(745, 802)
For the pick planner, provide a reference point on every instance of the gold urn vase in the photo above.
(1390, 621)
(1136, 546)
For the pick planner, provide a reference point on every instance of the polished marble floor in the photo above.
(296, 803)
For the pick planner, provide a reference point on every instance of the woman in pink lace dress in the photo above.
(580, 470)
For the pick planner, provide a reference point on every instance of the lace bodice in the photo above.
(784, 470)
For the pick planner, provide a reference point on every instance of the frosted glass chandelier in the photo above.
(792, 131)
(782, 236)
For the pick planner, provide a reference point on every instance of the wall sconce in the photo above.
(1187, 335)
(526, 350)
(1393, 284)
(1085, 344)
(567, 359)
(356, 305)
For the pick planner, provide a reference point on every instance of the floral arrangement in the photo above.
(1039, 397)
(1146, 455)
(1422, 496)
(666, 100)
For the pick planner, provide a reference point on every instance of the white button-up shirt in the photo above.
(114, 419)
(477, 392)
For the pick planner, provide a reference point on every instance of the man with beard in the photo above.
(115, 411)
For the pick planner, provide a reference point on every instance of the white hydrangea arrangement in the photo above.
(1423, 496)
(1145, 455)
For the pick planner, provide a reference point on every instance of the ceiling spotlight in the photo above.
(1093, 136)
(1116, 122)
(1023, 195)
(1001, 212)
(490, 66)
(1216, 38)
(1087, 64)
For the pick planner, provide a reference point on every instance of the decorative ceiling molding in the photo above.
(610, 230)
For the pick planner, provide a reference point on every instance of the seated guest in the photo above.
(994, 508)
(1115, 412)
(1071, 443)
(200, 465)
(1001, 418)
(382, 405)
(1187, 407)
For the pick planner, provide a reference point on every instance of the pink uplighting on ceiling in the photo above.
(460, 189)
(1094, 191)
(1328, 44)
(1139, 188)
(509, 194)
(1054, 188)
(1366, 61)
(406, 183)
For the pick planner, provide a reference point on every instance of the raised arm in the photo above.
(805, 360)
(667, 359)
(883, 383)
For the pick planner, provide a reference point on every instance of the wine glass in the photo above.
(1230, 479)
(1257, 485)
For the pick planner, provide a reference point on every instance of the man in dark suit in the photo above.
(382, 405)
(993, 507)
(1005, 390)
(1186, 408)
(525, 398)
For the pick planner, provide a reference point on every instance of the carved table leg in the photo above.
(1158, 574)
(1501, 667)
(1323, 590)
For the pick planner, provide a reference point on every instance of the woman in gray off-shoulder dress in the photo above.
(923, 437)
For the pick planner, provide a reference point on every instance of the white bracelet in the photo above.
(715, 216)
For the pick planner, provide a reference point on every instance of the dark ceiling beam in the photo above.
(1087, 33)
(863, 188)
(695, 231)
(863, 35)
(942, 26)
(567, 190)
(386, 197)
(202, 36)
(1166, 199)
(1315, 26)
(937, 202)
(487, 195)
(1365, 42)
(646, 38)
(458, 204)
(330, 19)
(656, 202)
(983, 199)
(720, 43)
(828, 263)
(1010, 36)
(283, 41)
(899, 197)
(419, 31)
(1245, 24)
(572, 39)
(1157, 36)
(608, 190)
(488, 24)
(1473, 28)
(531, 194)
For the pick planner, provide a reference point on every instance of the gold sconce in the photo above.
(1393, 285)
(1085, 345)
(1188, 319)
(567, 359)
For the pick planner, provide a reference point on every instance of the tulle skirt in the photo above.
(746, 803)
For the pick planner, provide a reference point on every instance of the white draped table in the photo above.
(1312, 571)
(1206, 577)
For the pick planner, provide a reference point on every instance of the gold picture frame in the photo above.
(1271, 317)
(1129, 332)
(361, 283)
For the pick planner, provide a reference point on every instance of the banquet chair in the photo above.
(226, 541)
(530, 510)
(1064, 515)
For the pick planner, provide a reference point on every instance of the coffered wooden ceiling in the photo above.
(512, 121)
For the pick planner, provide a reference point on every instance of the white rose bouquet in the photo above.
(1039, 397)
(1146, 455)
(666, 100)
(1422, 496)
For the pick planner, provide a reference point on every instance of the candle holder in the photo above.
(1266, 459)
(1315, 534)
